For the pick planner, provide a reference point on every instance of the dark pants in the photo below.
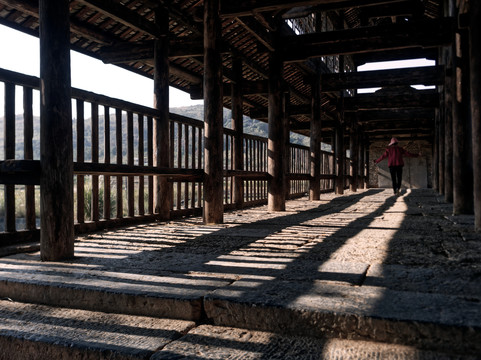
(396, 177)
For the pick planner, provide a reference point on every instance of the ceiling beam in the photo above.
(420, 99)
(427, 33)
(393, 55)
(239, 8)
(427, 75)
(374, 116)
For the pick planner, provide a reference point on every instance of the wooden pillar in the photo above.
(441, 143)
(447, 111)
(9, 150)
(213, 116)
(462, 149)
(276, 143)
(238, 127)
(287, 143)
(354, 151)
(56, 152)
(340, 158)
(315, 141)
(436, 152)
(163, 191)
(362, 160)
(367, 162)
(475, 76)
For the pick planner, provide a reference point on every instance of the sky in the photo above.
(20, 53)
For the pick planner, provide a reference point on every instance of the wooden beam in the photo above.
(427, 75)
(423, 99)
(427, 33)
(231, 8)
(404, 8)
(124, 15)
(139, 51)
(393, 55)
(373, 116)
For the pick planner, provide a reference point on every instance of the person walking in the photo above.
(394, 155)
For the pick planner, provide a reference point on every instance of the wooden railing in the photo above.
(114, 166)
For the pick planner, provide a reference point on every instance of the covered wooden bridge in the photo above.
(290, 63)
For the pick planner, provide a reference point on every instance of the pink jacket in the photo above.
(394, 155)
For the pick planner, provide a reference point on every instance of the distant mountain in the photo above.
(251, 126)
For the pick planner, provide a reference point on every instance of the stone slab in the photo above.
(440, 280)
(40, 332)
(320, 309)
(72, 285)
(224, 343)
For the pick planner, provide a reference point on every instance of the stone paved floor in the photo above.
(364, 251)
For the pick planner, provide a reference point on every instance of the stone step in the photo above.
(175, 296)
(34, 332)
(224, 343)
(320, 308)
(44, 332)
(334, 306)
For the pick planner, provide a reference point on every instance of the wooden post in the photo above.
(213, 116)
(118, 143)
(287, 143)
(28, 155)
(362, 163)
(163, 190)
(315, 141)
(462, 149)
(238, 127)
(475, 76)
(340, 158)
(276, 143)
(441, 143)
(9, 149)
(447, 111)
(354, 151)
(130, 162)
(56, 159)
(367, 162)
(436, 151)
(94, 203)
(107, 206)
